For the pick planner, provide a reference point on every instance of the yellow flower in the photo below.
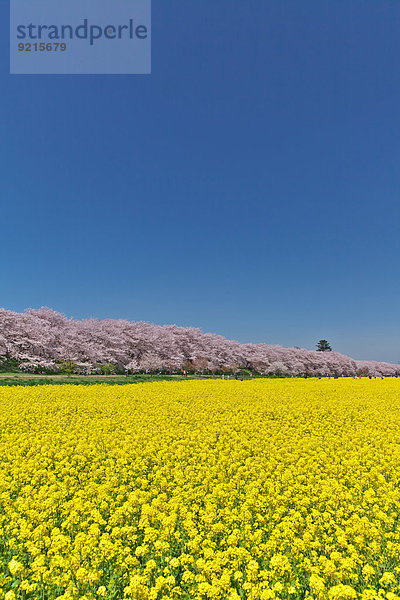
(387, 579)
(368, 572)
(174, 563)
(370, 594)
(170, 580)
(267, 594)
(15, 567)
(342, 592)
(317, 585)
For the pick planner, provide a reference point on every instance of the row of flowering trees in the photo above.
(42, 340)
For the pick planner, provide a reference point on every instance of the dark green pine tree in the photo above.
(323, 346)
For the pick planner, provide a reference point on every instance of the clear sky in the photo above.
(249, 186)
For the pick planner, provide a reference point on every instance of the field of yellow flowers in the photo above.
(264, 489)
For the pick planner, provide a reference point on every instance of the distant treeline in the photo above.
(45, 341)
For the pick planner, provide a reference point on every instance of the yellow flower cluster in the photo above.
(285, 489)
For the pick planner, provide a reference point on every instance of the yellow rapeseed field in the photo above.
(201, 489)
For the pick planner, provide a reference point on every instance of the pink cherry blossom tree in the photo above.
(41, 340)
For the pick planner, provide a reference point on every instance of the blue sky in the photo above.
(249, 186)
